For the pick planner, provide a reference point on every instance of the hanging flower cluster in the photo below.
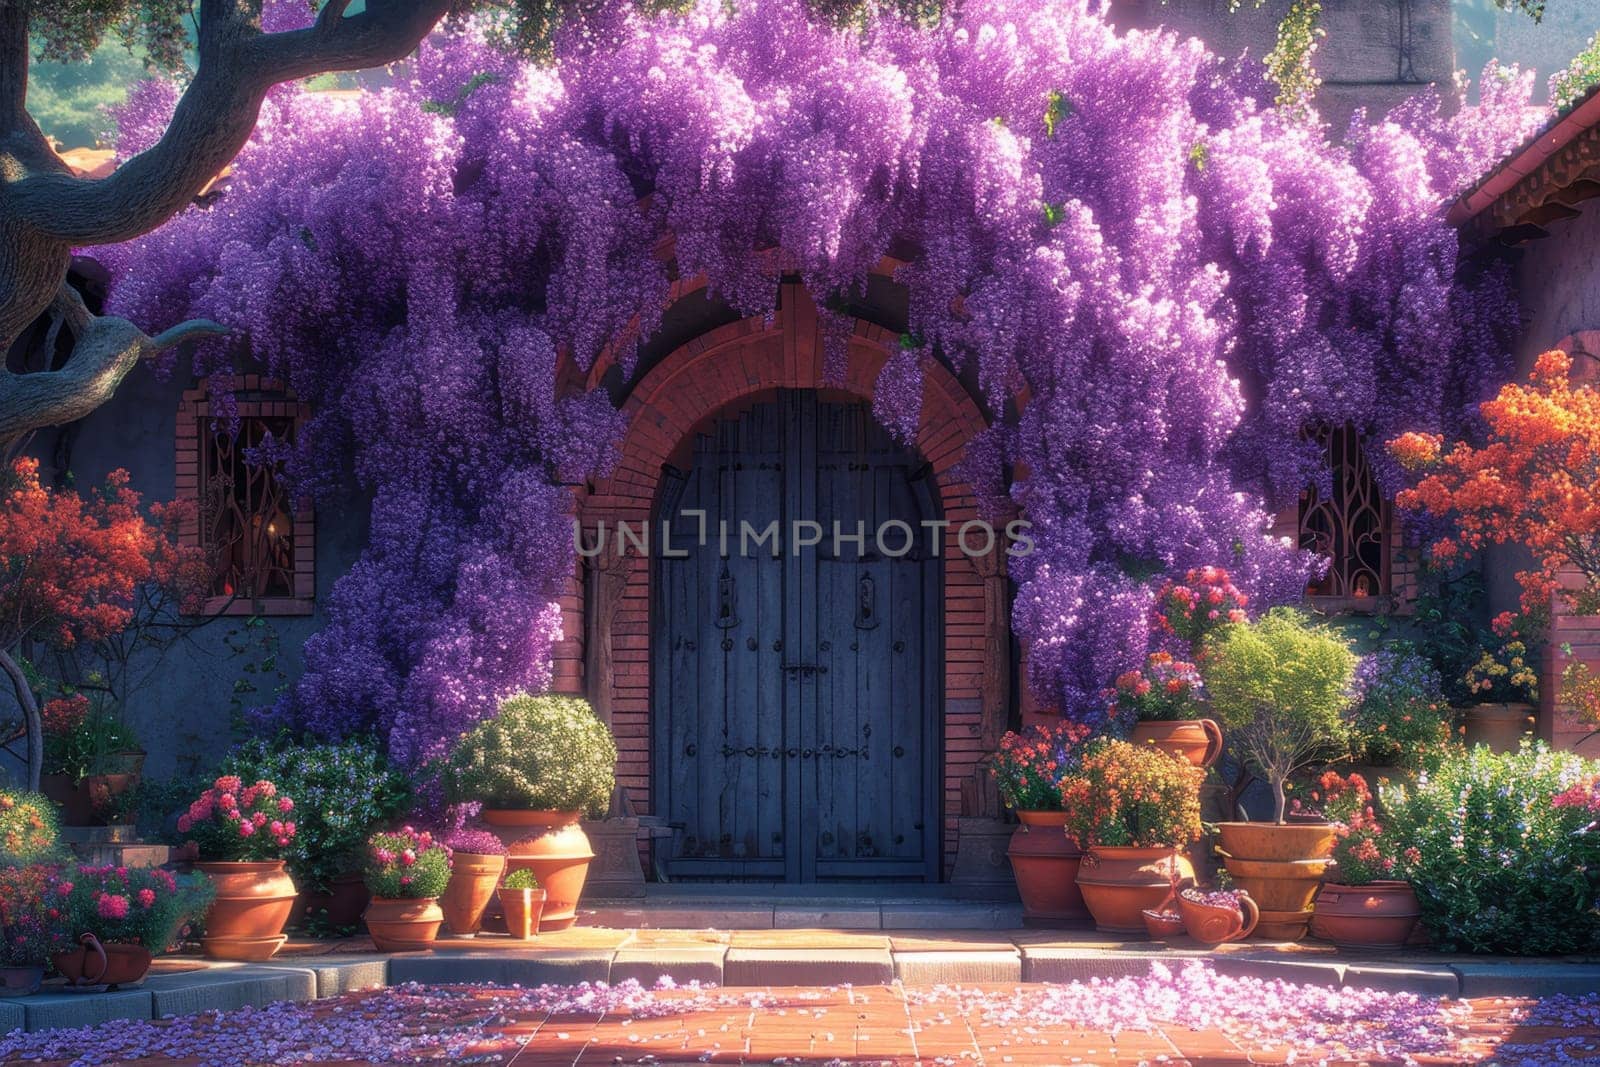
(1178, 277)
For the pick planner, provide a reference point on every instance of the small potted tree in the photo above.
(1280, 685)
(242, 833)
(1368, 907)
(114, 920)
(1027, 769)
(406, 872)
(522, 900)
(477, 860)
(1134, 808)
(536, 767)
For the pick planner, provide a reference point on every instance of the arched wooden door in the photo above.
(795, 689)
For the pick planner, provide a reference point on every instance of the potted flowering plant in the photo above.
(91, 757)
(1166, 698)
(477, 860)
(28, 830)
(1134, 808)
(522, 900)
(115, 919)
(1368, 906)
(241, 833)
(29, 933)
(1503, 683)
(406, 872)
(1028, 768)
(536, 766)
(1399, 717)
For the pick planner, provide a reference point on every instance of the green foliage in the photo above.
(1574, 83)
(545, 753)
(1289, 64)
(342, 793)
(95, 744)
(521, 878)
(406, 865)
(69, 100)
(1280, 686)
(1496, 865)
(1401, 718)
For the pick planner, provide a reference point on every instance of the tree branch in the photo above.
(32, 724)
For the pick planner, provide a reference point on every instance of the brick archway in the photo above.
(693, 383)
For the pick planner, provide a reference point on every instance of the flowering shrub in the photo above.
(1205, 601)
(127, 905)
(81, 738)
(475, 842)
(29, 914)
(522, 878)
(406, 864)
(1365, 854)
(1028, 766)
(1166, 689)
(1504, 669)
(1506, 857)
(1125, 794)
(29, 830)
(234, 821)
(547, 753)
(342, 793)
(1280, 686)
(1400, 718)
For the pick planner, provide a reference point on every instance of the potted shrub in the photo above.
(1027, 769)
(344, 792)
(536, 767)
(1166, 701)
(477, 860)
(115, 919)
(1503, 684)
(28, 830)
(241, 834)
(1215, 916)
(1134, 808)
(1368, 907)
(91, 758)
(406, 873)
(29, 935)
(522, 900)
(1399, 722)
(1281, 686)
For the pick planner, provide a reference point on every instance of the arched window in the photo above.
(259, 538)
(1352, 526)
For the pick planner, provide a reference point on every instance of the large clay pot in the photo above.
(1280, 865)
(1119, 883)
(555, 848)
(1376, 915)
(1197, 740)
(1045, 862)
(253, 902)
(340, 906)
(21, 981)
(1500, 726)
(96, 964)
(522, 908)
(403, 924)
(473, 876)
(1212, 924)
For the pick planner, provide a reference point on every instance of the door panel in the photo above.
(797, 697)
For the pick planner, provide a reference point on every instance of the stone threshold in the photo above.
(777, 958)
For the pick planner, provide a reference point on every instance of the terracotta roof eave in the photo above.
(1526, 160)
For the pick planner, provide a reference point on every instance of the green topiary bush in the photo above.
(1503, 850)
(522, 878)
(544, 753)
(1280, 686)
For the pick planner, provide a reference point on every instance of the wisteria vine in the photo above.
(1179, 277)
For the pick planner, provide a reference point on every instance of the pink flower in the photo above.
(147, 898)
(285, 804)
(245, 828)
(112, 906)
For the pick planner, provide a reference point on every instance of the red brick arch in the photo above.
(738, 361)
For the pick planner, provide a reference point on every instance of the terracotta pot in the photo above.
(521, 908)
(1282, 925)
(21, 981)
(555, 848)
(1213, 925)
(1280, 865)
(403, 924)
(1160, 925)
(1500, 726)
(1377, 915)
(97, 964)
(253, 902)
(85, 802)
(1278, 885)
(473, 876)
(1118, 883)
(1045, 861)
(1276, 841)
(1197, 740)
(71, 797)
(341, 905)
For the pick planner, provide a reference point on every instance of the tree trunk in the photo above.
(1279, 800)
(31, 722)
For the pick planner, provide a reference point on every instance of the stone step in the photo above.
(100, 835)
(133, 854)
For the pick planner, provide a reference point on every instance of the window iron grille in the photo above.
(246, 513)
(1351, 527)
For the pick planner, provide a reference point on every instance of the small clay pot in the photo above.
(522, 908)
(551, 844)
(1211, 924)
(473, 876)
(1197, 740)
(403, 924)
(1045, 862)
(21, 981)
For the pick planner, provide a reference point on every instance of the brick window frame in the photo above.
(257, 397)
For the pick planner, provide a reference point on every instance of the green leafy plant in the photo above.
(84, 737)
(1126, 794)
(127, 905)
(343, 792)
(1574, 83)
(406, 864)
(546, 753)
(521, 878)
(1280, 686)
(29, 830)
(1400, 718)
(1502, 850)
